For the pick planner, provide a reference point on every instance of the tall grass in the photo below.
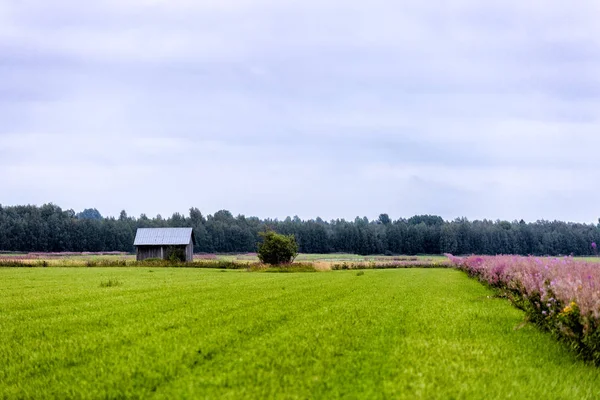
(386, 264)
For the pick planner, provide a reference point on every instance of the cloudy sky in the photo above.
(338, 108)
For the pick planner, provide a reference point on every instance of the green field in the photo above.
(194, 333)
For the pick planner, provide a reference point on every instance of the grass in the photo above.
(67, 261)
(359, 258)
(81, 259)
(320, 262)
(194, 333)
(110, 283)
(589, 259)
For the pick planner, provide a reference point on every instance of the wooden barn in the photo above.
(164, 242)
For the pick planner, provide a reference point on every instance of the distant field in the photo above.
(195, 333)
(325, 260)
(64, 259)
(594, 259)
(324, 257)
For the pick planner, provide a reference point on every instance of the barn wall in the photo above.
(144, 252)
(189, 251)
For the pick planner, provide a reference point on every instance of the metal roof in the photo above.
(163, 236)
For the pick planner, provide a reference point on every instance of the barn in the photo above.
(164, 242)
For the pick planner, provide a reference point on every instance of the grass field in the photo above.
(194, 333)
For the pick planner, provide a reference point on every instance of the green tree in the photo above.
(90, 213)
(277, 249)
(384, 219)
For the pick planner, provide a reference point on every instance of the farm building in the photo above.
(163, 243)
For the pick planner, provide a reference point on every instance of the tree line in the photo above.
(50, 229)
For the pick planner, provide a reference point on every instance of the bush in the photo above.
(277, 249)
(176, 254)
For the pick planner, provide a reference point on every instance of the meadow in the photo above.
(198, 333)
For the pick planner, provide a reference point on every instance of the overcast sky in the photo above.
(338, 108)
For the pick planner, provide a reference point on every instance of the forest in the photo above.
(48, 228)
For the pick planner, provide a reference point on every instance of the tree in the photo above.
(123, 216)
(384, 219)
(90, 213)
(49, 228)
(277, 249)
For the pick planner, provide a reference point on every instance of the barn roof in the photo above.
(163, 236)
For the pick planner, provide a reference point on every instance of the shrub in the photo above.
(175, 254)
(277, 249)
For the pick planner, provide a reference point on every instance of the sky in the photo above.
(269, 108)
